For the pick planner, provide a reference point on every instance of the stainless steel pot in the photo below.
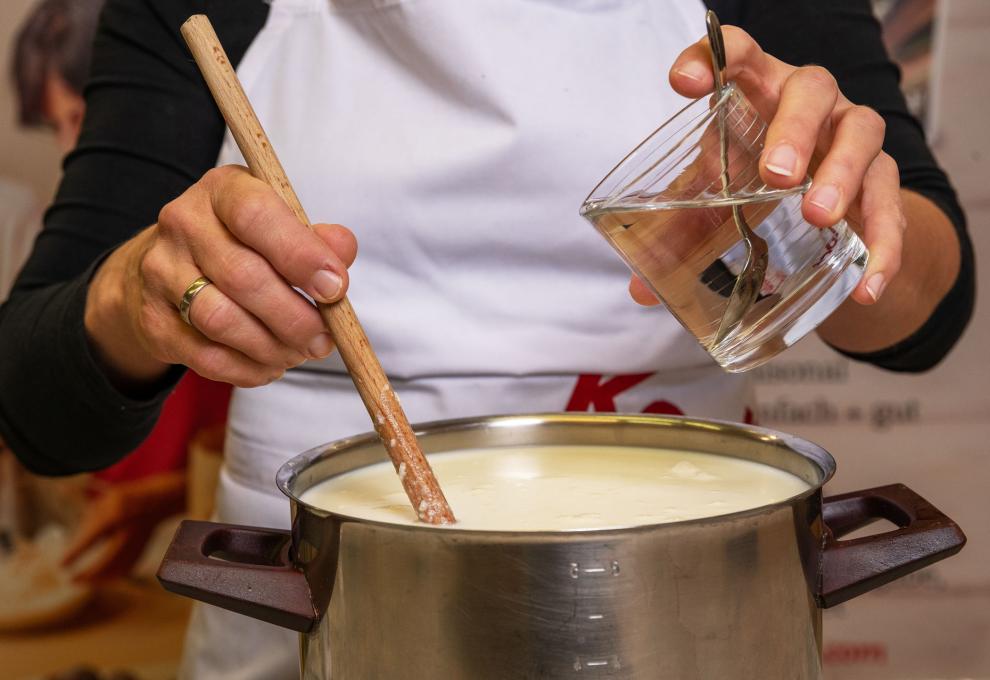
(734, 596)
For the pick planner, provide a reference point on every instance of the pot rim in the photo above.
(811, 452)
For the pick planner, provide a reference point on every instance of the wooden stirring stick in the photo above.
(383, 406)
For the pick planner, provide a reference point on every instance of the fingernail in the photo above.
(826, 197)
(321, 346)
(693, 71)
(782, 160)
(326, 284)
(875, 285)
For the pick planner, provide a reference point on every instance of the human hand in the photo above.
(810, 118)
(250, 325)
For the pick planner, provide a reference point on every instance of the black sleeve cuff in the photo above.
(927, 346)
(85, 423)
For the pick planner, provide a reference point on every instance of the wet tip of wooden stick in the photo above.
(437, 515)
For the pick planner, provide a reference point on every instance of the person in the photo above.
(51, 60)
(458, 140)
(50, 65)
(44, 63)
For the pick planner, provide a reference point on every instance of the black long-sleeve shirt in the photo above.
(152, 130)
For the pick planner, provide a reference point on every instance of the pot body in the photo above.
(733, 596)
(730, 600)
(724, 597)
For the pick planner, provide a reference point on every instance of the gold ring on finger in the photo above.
(187, 298)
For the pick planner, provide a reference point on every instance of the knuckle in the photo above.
(214, 176)
(219, 315)
(751, 51)
(275, 356)
(740, 42)
(869, 120)
(220, 175)
(818, 77)
(300, 258)
(796, 130)
(734, 34)
(292, 359)
(888, 166)
(844, 165)
(250, 212)
(245, 272)
(180, 219)
(154, 266)
(303, 251)
(172, 216)
(212, 362)
(300, 325)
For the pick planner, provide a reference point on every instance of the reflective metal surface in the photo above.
(725, 597)
(750, 279)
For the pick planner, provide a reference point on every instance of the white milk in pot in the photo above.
(565, 488)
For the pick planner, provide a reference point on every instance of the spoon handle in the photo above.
(717, 44)
(750, 279)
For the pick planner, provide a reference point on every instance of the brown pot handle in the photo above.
(244, 569)
(851, 568)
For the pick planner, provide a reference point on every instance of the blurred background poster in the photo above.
(931, 432)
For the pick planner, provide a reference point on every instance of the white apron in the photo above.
(458, 138)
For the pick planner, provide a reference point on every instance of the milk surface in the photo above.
(565, 488)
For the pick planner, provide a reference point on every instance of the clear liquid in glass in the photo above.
(689, 253)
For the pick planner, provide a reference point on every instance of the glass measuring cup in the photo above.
(665, 211)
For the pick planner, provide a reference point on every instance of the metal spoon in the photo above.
(750, 278)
